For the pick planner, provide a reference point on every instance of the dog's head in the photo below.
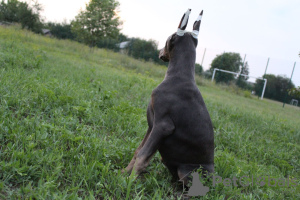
(182, 40)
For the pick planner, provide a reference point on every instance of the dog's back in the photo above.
(192, 141)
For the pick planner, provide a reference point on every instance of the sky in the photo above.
(256, 29)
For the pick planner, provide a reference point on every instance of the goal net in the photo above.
(230, 72)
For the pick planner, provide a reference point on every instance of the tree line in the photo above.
(99, 26)
(21, 12)
(96, 26)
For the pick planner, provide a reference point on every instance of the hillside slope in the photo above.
(71, 118)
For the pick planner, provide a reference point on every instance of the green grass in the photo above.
(72, 117)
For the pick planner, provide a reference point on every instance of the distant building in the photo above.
(46, 32)
(123, 46)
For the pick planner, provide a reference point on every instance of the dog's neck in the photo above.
(182, 64)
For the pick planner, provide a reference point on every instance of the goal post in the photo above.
(221, 70)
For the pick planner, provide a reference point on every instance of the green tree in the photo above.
(143, 49)
(97, 22)
(21, 12)
(198, 69)
(9, 11)
(61, 30)
(112, 43)
(30, 16)
(226, 61)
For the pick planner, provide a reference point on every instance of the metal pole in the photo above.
(243, 63)
(213, 76)
(263, 92)
(267, 66)
(290, 82)
(222, 60)
(203, 57)
(265, 74)
(239, 74)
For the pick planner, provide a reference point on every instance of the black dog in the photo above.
(180, 127)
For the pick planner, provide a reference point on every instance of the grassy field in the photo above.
(71, 118)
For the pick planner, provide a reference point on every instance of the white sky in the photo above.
(257, 28)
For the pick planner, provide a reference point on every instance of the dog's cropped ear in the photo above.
(196, 26)
(183, 23)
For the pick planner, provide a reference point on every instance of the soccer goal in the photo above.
(221, 70)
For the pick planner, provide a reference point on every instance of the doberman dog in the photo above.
(180, 127)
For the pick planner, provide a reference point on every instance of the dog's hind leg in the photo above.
(184, 172)
(150, 117)
(131, 164)
(161, 129)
